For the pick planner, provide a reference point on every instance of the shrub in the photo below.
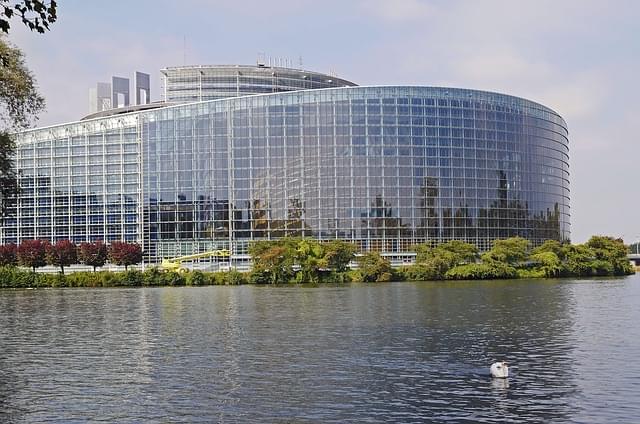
(109, 279)
(152, 277)
(234, 277)
(355, 276)
(433, 269)
(8, 276)
(374, 268)
(83, 279)
(173, 278)
(51, 280)
(481, 271)
(197, 278)
(258, 276)
(23, 279)
(531, 273)
(131, 278)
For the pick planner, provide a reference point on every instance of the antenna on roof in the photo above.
(300, 61)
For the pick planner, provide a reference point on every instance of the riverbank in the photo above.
(16, 278)
(299, 261)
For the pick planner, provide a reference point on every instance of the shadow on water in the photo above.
(399, 352)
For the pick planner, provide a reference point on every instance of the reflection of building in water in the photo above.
(241, 153)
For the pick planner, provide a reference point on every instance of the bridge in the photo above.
(634, 258)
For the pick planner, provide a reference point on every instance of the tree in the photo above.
(310, 258)
(435, 262)
(8, 255)
(613, 251)
(125, 254)
(374, 268)
(548, 262)
(19, 104)
(579, 260)
(456, 252)
(273, 261)
(511, 251)
(93, 254)
(35, 14)
(61, 254)
(549, 246)
(32, 253)
(338, 254)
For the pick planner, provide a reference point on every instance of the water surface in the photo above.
(398, 352)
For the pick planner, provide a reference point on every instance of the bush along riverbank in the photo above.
(296, 260)
(513, 258)
(12, 277)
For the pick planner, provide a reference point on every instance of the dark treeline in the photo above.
(298, 260)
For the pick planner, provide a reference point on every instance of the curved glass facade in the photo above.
(187, 84)
(384, 167)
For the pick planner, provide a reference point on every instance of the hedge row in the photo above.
(12, 277)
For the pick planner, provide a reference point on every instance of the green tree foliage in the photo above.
(125, 254)
(32, 253)
(482, 271)
(511, 251)
(613, 251)
(548, 262)
(19, 105)
(62, 253)
(9, 255)
(35, 14)
(578, 260)
(338, 254)
(374, 268)
(93, 254)
(433, 263)
(273, 261)
(299, 260)
(311, 260)
(510, 258)
(553, 246)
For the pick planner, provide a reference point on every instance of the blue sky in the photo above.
(579, 57)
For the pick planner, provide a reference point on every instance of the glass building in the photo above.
(383, 167)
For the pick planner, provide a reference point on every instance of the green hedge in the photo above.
(13, 277)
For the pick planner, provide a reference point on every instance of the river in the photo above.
(392, 352)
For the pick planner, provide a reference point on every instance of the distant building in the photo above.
(241, 153)
(107, 96)
(100, 97)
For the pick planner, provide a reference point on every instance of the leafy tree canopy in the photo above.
(8, 254)
(374, 267)
(93, 254)
(62, 253)
(19, 104)
(125, 254)
(511, 251)
(31, 253)
(35, 14)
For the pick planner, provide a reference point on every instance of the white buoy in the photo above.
(499, 370)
